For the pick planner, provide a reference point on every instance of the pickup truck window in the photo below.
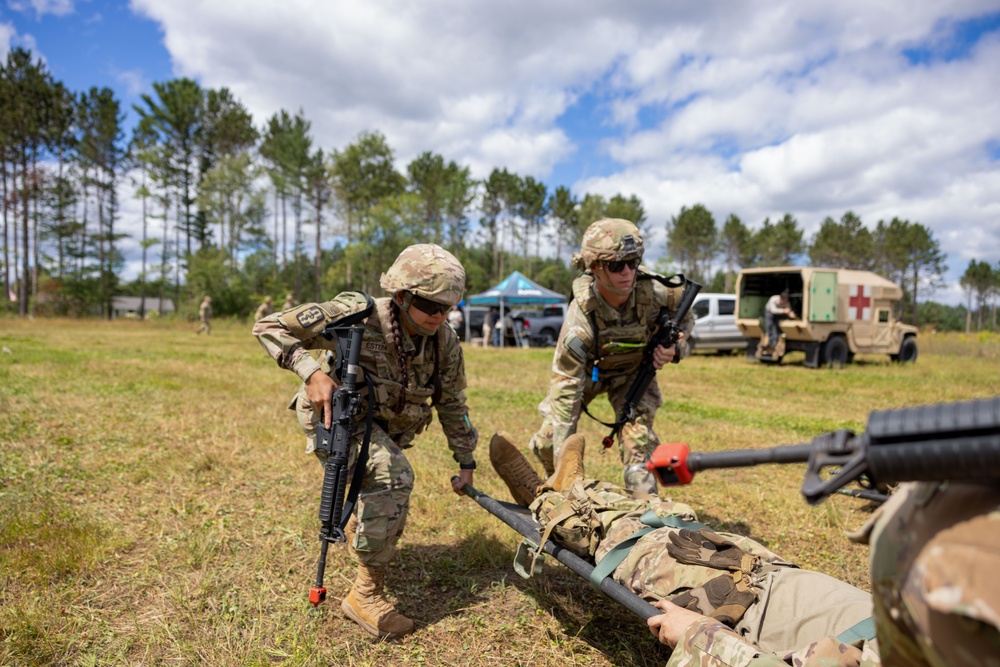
(700, 308)
(727, 306)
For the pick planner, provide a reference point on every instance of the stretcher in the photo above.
(520, 519)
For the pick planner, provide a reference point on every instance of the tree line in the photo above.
(225, 207)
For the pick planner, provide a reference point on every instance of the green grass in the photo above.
(157, 507)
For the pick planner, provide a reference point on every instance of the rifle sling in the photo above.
(359, 465)
(619, 552)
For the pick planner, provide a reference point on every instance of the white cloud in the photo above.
(753, 109)
(42, 7)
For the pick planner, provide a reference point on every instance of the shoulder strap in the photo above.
(613, 558)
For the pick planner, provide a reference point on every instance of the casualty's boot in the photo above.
(569, 467)
(514, 469)
(366, 606)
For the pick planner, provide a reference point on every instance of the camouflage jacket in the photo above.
(614, 348)
(287, 337)
(935, 557)
(709, 643)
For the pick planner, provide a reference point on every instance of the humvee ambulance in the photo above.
(840, 313)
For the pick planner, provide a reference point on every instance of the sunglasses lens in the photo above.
(619, 266)
(428, 306)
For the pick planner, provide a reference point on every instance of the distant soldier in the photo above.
(289, 302)
(778, 308)
(205, 315)
(263, 310)
(612, 317)
(415, 364)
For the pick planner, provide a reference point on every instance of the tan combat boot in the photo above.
(569, 467)
(514, 469)
(365, 606)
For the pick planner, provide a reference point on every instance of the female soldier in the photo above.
(414, 363)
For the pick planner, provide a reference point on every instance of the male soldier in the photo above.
(263, 310)
(934, 558)
(608, 324)
(205, 315)
(777, 308)
(289, 303)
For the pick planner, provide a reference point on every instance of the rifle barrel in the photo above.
(743, 458)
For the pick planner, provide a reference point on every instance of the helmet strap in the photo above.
(404, 308)
(602, 277)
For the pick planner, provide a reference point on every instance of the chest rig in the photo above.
(619, 336)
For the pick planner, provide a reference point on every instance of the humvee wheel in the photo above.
(836, 352)
(907, 351)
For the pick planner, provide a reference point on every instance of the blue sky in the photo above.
(783, 106)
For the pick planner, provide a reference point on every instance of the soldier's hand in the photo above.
(319, 391)
(669, 626)
(464, 477)
(663, 355)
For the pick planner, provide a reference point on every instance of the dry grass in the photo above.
(156, 507)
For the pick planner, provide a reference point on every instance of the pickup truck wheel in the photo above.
(907, 351)
(836, 352)
(547, 337)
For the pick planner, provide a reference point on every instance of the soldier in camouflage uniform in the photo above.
(205, 316)
(737, 599)
(934, 561)
(608, 324)
(263, 310)
(415, 364)
(289, 302)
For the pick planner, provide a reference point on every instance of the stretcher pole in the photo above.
(529, 529)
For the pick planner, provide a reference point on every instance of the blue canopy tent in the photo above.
(515, 290)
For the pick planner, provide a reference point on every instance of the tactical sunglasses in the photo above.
(619, 266)
(428, 306)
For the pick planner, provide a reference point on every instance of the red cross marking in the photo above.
(859, 301)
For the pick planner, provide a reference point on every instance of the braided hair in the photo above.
(401, 360)
(404, 368)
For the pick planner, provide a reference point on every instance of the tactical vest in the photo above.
(617, 347)
(378, 359)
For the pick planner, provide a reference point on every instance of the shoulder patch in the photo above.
(576, 347)
(309, 316)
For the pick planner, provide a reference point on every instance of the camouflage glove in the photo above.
(725, 598)
(703, 547)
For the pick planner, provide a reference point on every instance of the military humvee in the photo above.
(840, 313)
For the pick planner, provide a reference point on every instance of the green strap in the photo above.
(863, 630)
(652, 521)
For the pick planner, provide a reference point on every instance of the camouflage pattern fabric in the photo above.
(426, 270)
(609, 239)
(288, 336)
(794, 607)
(622, 334)
(935, 563)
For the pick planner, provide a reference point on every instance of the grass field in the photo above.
(156, 506)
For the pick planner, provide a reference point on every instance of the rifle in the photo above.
(335, 442)
(940, 442)
(667, 332)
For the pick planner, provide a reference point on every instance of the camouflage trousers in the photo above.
(793, 607)
(384, 498)
(635, 444)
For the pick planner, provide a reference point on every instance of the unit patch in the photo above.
(309, 316)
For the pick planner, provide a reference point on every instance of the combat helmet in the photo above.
(428, 271)
(609, 240)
